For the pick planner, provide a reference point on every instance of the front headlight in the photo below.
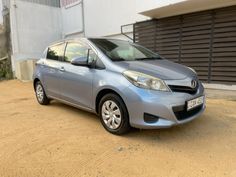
(145, 81)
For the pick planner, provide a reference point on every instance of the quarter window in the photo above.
(56, 52)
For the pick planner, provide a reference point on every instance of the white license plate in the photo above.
(195, 102)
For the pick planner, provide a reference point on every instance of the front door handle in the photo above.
(62, 69)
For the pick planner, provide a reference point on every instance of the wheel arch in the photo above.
(104, 92)
(35, 81)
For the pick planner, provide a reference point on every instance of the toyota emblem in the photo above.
(193, 83)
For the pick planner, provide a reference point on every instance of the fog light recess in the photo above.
(149, 118)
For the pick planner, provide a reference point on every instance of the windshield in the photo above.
(118, 50)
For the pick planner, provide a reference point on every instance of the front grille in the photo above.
(184, 89)
(182, 114)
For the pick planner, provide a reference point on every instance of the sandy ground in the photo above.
(58, 140)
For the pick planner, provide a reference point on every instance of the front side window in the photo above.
(56, 52)
(118, 50)
(75, 50)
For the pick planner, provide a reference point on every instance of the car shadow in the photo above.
(204, 128)
(201, 128)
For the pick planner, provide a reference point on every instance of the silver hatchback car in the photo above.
(124, 83)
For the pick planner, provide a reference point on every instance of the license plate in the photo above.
(195, 102)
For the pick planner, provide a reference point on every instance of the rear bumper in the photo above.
(168, 107)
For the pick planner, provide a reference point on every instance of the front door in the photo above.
(76, 81)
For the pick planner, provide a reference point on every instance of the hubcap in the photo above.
(39, 93)
(111, 114)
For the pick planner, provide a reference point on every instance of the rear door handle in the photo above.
(62, 69)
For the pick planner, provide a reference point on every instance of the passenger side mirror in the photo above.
(83, 61)
(80, 61)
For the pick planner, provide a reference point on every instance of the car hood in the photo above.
(162, 69)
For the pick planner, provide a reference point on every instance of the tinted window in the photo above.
(56, 52)
(75, 50)
(118, 50)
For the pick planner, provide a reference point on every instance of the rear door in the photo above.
(52, 69)
(76, 81)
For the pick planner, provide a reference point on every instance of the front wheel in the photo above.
(40, 94)
(113, 114)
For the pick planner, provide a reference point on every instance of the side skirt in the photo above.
(74, 105)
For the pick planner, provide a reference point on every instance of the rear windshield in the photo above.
(118, 50)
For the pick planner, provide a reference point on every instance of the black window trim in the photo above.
(90, 46)
(56, 44)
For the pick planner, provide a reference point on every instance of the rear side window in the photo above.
(75, 50)
(56, 52)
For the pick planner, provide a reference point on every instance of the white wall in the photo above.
(144, 5)
(72, 20)
(105, 17)
(102, 18)
(1, 20)
(34, 27)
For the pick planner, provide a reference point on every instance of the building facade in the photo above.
(37, 23)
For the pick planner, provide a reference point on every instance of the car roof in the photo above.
(82, 38)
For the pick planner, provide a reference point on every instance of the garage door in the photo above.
(205, 41)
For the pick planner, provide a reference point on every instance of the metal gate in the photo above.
(205, 41)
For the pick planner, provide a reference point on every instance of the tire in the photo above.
(113, 114)
(40, 94)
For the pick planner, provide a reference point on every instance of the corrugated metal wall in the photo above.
(205, 41)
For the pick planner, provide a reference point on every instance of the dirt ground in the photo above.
(61, 141)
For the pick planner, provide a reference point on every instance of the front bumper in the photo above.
(169, 107)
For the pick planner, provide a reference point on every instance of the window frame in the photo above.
(63, 52)
(78, 42)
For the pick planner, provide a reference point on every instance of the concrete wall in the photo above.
(102, 18)
(72, 21)
(144, 5)
(105, 17)
(5, 60)
(33, 26)
(3, 51)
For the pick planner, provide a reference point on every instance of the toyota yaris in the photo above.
(124, 83)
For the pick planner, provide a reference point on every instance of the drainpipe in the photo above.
(13, 25)
(13, 6)
(83, 22)
(83, 17)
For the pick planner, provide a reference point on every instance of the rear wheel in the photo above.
(113, 114)
(40, 94)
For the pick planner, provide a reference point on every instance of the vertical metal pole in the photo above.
(83, 20)
(180, 38)
(134, 33)
(211, 45)
(155, 37)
